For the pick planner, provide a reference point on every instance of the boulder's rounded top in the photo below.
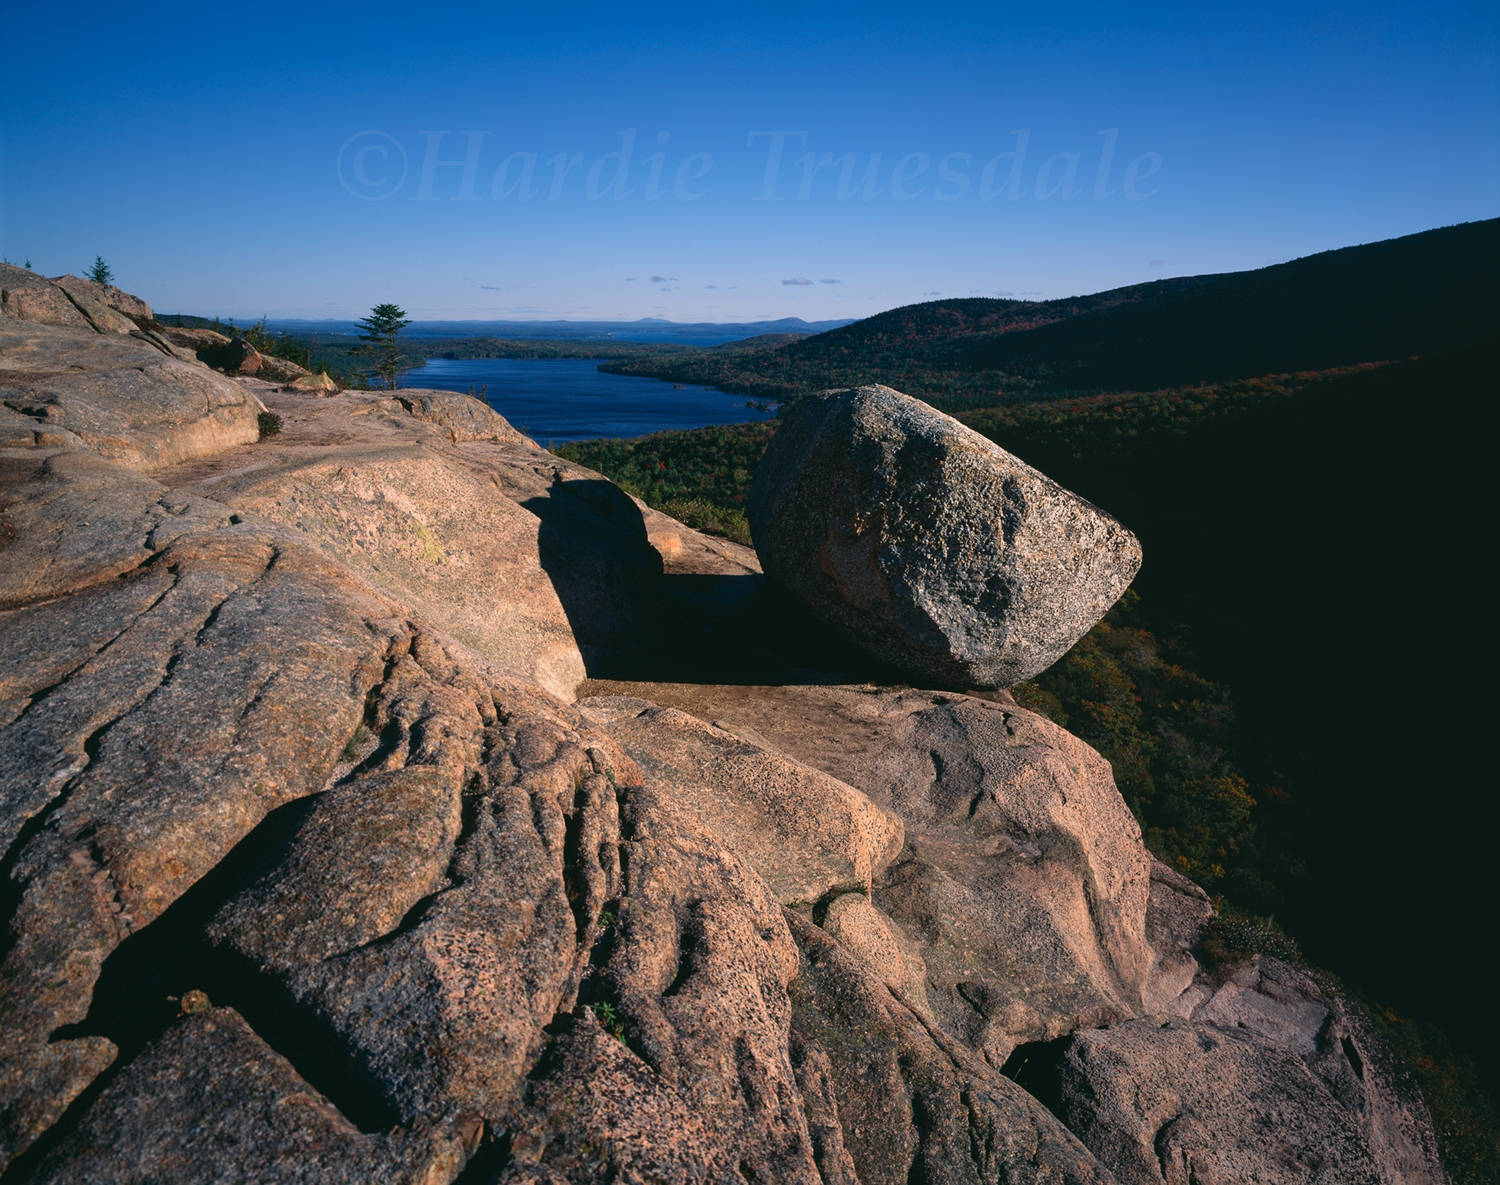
(929, 545)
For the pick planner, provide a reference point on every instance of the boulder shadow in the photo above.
(592, 544)
(636, 622)
(742, 629)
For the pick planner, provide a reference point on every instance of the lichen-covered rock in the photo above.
(159, 712)
(1023, 882)
(1274, 1075)
(27, 296)
(861, 929)
(597, 1111)
(455, 906)
(465, 417)
(468, 944)
(205, 341)
(1176, 1103)
(1176, 912)
(133, 307)
(899, 1100)
(318, 384)
(281, 370)
(928, 545)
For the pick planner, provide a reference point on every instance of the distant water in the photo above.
(565, 399)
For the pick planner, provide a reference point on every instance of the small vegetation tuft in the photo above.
(356, 744)
(270, 423)
(1234, 935)
(610, 1019)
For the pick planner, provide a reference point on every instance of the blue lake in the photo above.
(565, 399)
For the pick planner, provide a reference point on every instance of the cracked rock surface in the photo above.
(313, 869)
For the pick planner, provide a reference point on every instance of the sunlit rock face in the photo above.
(928, 545)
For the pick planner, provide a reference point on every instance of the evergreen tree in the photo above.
(100, 273)
(383, 329)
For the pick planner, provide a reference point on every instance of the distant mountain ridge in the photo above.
(1422, 294)
(653, 327)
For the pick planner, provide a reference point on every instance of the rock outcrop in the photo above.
(1274, 1076)
(125, 398)
(319, 384)
(310, 871)
(238, 356)
(1022, 883)
(809, 836)
(205, 343)
(927, 544)
(209, 1100)
(538, 564)
(132, 307)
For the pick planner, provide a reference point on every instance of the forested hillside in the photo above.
(1416, 295)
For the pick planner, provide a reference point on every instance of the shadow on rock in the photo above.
(136, 999)
(592, 545)
(740, 629)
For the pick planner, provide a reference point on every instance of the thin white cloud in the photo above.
(830, 281)
(798, 281)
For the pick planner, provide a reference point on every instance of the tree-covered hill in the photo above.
(1417, 295)
(916, 348)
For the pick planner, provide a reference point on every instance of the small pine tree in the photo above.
(383, 328)
(100, 273)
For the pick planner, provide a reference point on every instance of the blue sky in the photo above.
(272, 159)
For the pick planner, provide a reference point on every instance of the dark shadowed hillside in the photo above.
(1327, 550)
(1421, 294)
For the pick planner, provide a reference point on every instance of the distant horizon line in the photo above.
(558, 321)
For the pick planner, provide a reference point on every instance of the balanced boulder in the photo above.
(928, 545)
